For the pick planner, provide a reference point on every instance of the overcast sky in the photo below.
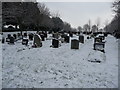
(78, 13)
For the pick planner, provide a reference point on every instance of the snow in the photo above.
(63, 67)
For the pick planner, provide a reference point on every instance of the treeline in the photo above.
(32, 16)
(114, 26)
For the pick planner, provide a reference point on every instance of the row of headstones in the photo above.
(74, 42)
(99, 43)
(12, 38)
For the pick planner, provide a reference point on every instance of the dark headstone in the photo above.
(81, 38)
(3, 40)
(74, 44)
(99, 46)
(12, 40)
(37, 41)
(71, 34)
(42, 37)
(9, 35)
(15, 36)
(30, 36)
(55, 43)
(25, 35)
(18, 34)
(67, 39)
(25, 42)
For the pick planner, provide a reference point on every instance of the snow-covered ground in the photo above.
(47, 67)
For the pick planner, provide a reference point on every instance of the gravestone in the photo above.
(71, 34)
(45, 34)
(12, 40)
(15, 36)
(25, 35)
(3, 40)
(67, 39)
(74, 44)
(97, 40)
(25, 42)
(42, 37)
(81, 38)
(30, 36)
(9, 35)
(99, 46)
(37, 41)
(55, 43)
(18, 34)
(8, 38)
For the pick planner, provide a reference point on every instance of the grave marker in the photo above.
(12, 40)
(37, 41)
(74, 44)
(81, 38)
(25, 42)
(55, 43)
(99, 46)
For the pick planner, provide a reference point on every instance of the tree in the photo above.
(79, 28)
(58, 24)
(94, 28)
(66, 27)
(86, 27)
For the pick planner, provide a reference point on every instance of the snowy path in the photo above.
(62, 67)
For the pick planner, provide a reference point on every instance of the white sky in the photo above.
(78, 13)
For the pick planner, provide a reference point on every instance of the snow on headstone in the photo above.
(37, 41)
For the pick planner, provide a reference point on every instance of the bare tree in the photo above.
(55, 14)
(43, 9)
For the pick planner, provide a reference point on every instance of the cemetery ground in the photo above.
(63, 67)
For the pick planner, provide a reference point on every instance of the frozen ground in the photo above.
(46, 67)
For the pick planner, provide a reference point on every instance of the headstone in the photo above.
(97, 40)
(74, 44)
(55, 43)
(12, 40)
(42, 37)
(25, 35)
(3, 40)
(30, 36)
(37, 41)
(81, 38)
(8, 38)
(67, 39)
(9, 35)
(25, 42)
(15, 36)
(18, 34)
(99, 46)
(71, 34)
